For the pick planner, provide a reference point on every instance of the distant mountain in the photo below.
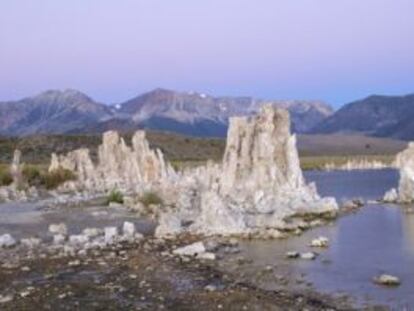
(203, 115)
(382, 116)
(50, 112)
(190, 113)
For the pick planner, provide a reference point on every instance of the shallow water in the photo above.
(28, 219)
(378, 239)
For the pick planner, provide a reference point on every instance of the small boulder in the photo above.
(308, 256)
(292, 255)
(387, 280)
(320, 242)
(111, 234)
(58, 228)
(31, 242)
(190, 250)
(128, 229)
(59, 239)
(6, 241)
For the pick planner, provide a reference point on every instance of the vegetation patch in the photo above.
(5, 177)
(115, 196)
(150, 198)
(52, 180)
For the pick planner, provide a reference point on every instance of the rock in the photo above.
(7, 241)
(91, 232)
(405, 163)
(31, 242)
(128, 229)
(308, 256)
(119, 166)
(210, 288)
(6, 298)
(206, 256)
(320, 242)
(387, 280)
(78, 239)
(58, 228)
(111, 234)
(59, 239)
(16, 169)
(292, 255)
(391, 196)
(74, 263)
(256, 188)
(190, 250)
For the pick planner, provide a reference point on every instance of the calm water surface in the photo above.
(378, 239)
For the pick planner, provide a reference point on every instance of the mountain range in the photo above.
(380, 116)
(190, 113)
(198, 114)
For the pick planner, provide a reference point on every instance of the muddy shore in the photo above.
(139, 276)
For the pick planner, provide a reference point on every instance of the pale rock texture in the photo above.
(358, 164)
(18, 190)
(405, 163)
(119, 166)
(257, 187)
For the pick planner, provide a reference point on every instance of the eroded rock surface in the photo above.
(405, 163)
(119, 166)
(257, 188)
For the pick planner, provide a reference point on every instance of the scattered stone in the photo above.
(78, 239)
(210, 288)
(59, 239)
(74, 263)
(292, 255)
(6, 298)
(58, 229)
(206, 256)
(31, 242)
(387, 280)
(308, 256)
(111, 234)
(91, 232)
(128, 229)
(190, 250)
(320, 242)
(7, 241)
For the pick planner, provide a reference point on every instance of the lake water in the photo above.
(377, 239)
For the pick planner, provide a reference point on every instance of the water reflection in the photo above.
(378, 239)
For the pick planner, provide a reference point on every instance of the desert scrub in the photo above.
(150, 198)
(115, 196)
(32, 175)
(5, 177)
(52, 180)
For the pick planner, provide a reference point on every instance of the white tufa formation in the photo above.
(358, 164)
(119, 165)
(405, 163)
(258, 186)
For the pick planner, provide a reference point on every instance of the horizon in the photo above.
(307, 50)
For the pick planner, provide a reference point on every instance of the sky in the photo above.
(336, 51)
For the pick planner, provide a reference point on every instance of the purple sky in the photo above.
(337, 51)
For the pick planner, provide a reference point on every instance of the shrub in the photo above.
(115, 196)
(5, 177)
(54, 179)
(150, 198)
(32, 175)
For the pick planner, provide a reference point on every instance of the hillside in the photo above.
(381, 116)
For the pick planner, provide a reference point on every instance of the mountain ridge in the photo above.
(190, 113)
